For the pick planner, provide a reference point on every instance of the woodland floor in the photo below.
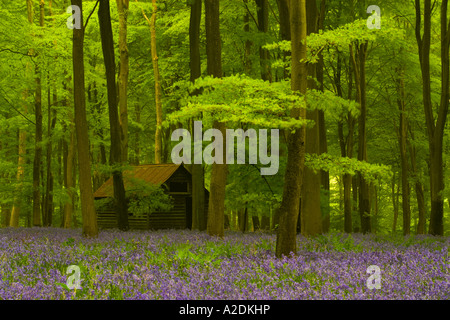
(176, 264)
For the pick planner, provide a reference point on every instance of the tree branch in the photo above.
(251, 15)
(15, 109)
(87, 20)
(17, 52)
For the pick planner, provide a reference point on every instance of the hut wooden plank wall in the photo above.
(178, 183)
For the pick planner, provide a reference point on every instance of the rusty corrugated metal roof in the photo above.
(150, 173)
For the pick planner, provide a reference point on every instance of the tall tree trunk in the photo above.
(122, 8)
(418, 187)
(248, 43)
(323, 145)
(216, 208)
(403, 136)
(198, 180)
(285, 26)
(90, 228)
(51, 123)
(38, 134)
(347, 151)
(359, 68)
(243, 219)
(157, 77)
(69, 181)
(374, 195)
(263, 26)
(69, 158)
(395, 198)
(158, 92)
(15, 212)
(5, 208)
(355, 193)
(116, 145)
(285, 34)
(435, 127)
(289, 209)
(346, 145)
(311, 215)
(137, 136)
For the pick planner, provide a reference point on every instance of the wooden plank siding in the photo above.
(177, 218)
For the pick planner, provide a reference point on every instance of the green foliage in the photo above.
(334, 242)
(239, 99)
(145, 198)
(344, 165)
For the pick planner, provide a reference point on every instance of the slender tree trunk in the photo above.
(395, 200)
(38, 135)
(418, 188)
(157, 77)
(51, 123)
(243, 219)
(116, 145)
(285, 27)
(90, 228)
(285, 34)
(122, 8)
(69, 178)
(5, 208)
(403, 136)
(289, 209)
(15, 212)
(158, 92)
(198, 180)
(248, 43)
(263, 26)
(13, 220)
(69, 158)
(323, 145)
(346, 146)
(374, 195)
(355, 193)
(137, 136)
(359, 68)
(435, 127)
(216, 208)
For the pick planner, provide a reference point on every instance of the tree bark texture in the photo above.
(216, 210)
(289, 209)
(116, 146)
(90, 228)
(122, 8)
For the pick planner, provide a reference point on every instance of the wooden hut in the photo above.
(177, 182)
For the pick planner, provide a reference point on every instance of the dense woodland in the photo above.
(362, 112)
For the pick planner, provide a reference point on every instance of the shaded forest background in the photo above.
(378, 106)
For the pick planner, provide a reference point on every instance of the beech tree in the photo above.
(362, 94)
(198, 179)
(216, 209)
(122, 8)
(289, 209)
(311, 215)
(435, 126)
(90, 228)
(38, 136)
(158, 91)
(104, 17)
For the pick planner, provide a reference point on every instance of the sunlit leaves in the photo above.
(239, 99)
(343, 165)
